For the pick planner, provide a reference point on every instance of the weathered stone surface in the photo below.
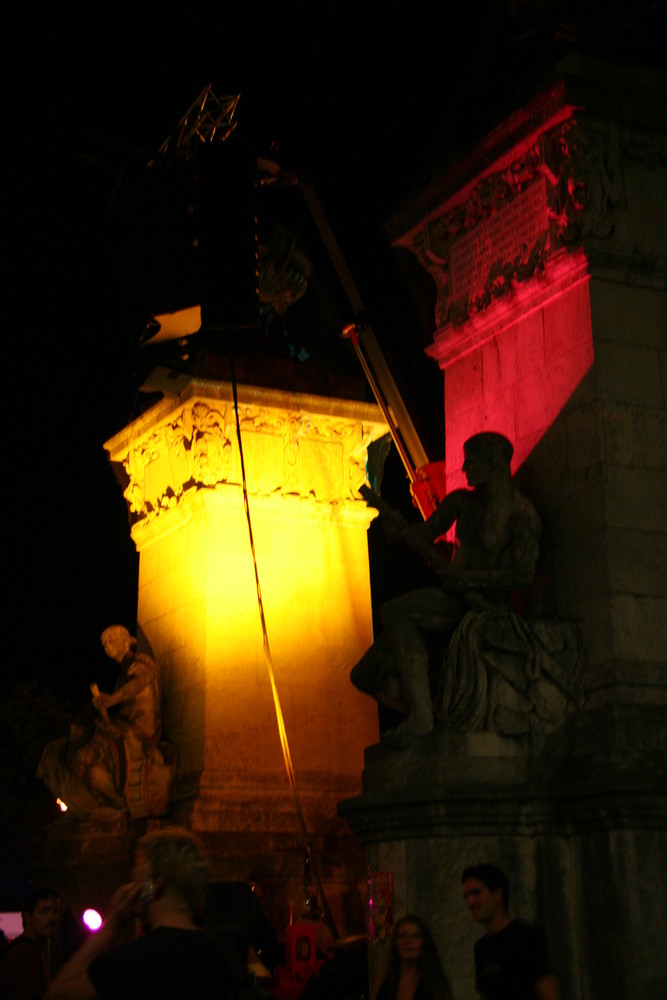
(568, 360)
(636, 561)
(595, 790)
(304, 459)
(635, 436)
(629, 374)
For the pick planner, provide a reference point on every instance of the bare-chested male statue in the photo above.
(495, 552)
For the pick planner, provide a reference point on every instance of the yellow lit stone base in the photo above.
(198, 610)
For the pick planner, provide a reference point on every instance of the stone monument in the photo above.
(303, 457)
(456, 653)
(548, 250)
(223, 528)
(118, 765)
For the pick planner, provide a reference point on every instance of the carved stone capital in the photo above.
(296, 445)
(552, 180)
(512, 222)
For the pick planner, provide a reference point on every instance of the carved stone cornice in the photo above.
(294, 445)
(552, 180)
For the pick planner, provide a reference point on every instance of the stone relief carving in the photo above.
(589, 183)
(262, 420)
(195, 450)
(581, 167)
(433, 246)
(210, 446)
(292, 455)
(503, 674)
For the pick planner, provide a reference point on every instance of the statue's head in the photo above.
(117, 642)
(486, 455)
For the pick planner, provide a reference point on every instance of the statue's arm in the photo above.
(423, 537)
(516, 568)
(393, 521)
(526, 545)
(126, 692)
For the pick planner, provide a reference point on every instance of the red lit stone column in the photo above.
(547, 246)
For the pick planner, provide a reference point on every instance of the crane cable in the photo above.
(282, 732)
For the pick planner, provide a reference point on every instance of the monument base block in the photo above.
(584, 845)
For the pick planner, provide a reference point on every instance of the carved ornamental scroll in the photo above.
(301, 446)
(564, 185)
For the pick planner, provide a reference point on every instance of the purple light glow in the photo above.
(92, 920)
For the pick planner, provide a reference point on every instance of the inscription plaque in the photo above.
(510, 231)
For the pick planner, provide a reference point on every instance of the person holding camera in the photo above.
(151, 944)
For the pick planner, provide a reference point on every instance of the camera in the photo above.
(148, 892)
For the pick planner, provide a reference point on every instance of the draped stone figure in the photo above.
(491, 670)
(119, 764)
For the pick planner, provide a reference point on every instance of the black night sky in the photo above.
(367, 99)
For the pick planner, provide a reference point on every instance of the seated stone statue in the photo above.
(505, 675)
(495, 553)
(119, 764)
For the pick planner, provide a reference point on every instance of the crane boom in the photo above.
(426, 478)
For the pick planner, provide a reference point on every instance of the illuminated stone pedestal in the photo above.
(198, 610)
(549, 254)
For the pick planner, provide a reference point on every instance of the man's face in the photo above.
(41, 923)
(115, 645)
(477, 466)
(482, 902)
